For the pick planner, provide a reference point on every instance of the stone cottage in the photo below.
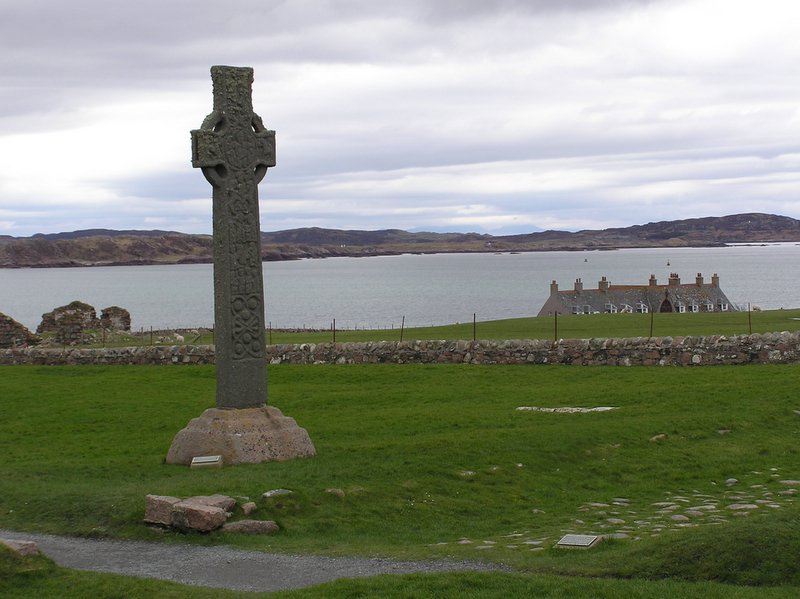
(675, 296)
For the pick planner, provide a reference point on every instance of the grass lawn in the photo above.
(435, 461)
(567, 327)
(575, 327)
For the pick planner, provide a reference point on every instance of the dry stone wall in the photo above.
(770, 348)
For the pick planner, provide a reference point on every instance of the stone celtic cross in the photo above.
(234, 150)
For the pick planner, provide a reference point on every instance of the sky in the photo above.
(501, 117)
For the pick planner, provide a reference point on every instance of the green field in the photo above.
(565, 327)
(435, 461)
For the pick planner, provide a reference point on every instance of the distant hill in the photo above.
(99, 247)
(103, 233)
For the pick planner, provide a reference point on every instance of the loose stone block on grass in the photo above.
(187, 516)
(252, 527)
(23, 548)
(158, 509)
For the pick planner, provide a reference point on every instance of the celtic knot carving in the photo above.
(247, 332)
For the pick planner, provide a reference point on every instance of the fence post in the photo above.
(474, 326)
(333, 326)
(402, 326)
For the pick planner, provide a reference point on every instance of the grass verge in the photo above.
(435, 461)
(567, 327)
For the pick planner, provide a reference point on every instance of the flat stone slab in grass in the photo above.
(742, 506)
(252, 527)
(573, 541)
(566, 410)
(276, 493)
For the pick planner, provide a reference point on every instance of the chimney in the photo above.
(653, 281)
(699, 279)
(715, 280)
(603, 284)
(578, 285)
(553, 287)
(674, 279)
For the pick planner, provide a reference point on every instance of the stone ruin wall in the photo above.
(770, 348)
(14, 334)
(70, 322)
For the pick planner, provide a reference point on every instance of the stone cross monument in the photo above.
(234, 150)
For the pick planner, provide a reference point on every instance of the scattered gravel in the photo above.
(223, 567)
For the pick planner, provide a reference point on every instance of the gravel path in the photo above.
(222, 567)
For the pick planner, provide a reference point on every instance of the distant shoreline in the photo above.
(372, 254)
(105, 247)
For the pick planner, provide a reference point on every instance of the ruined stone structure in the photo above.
(70, 323)
(115, 318)
(234, 151)
(74, 314)
(675, 296)
(15, 334)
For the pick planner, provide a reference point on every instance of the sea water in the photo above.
(379, 292)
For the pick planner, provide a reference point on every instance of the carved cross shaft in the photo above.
(234, 150)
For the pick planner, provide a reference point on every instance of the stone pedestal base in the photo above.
(241, 436)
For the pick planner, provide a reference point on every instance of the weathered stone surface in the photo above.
(276, 493)
(252, 527)
(249, 507)
(64, 320)
(679, 518)
(13, 334)
(234, 158)
(158, 509)
(115, 318)
(24, 548)
(778, 348)
(221, 501)
(234, 151)
(742, 506)
(188, 516)
(241, 436)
